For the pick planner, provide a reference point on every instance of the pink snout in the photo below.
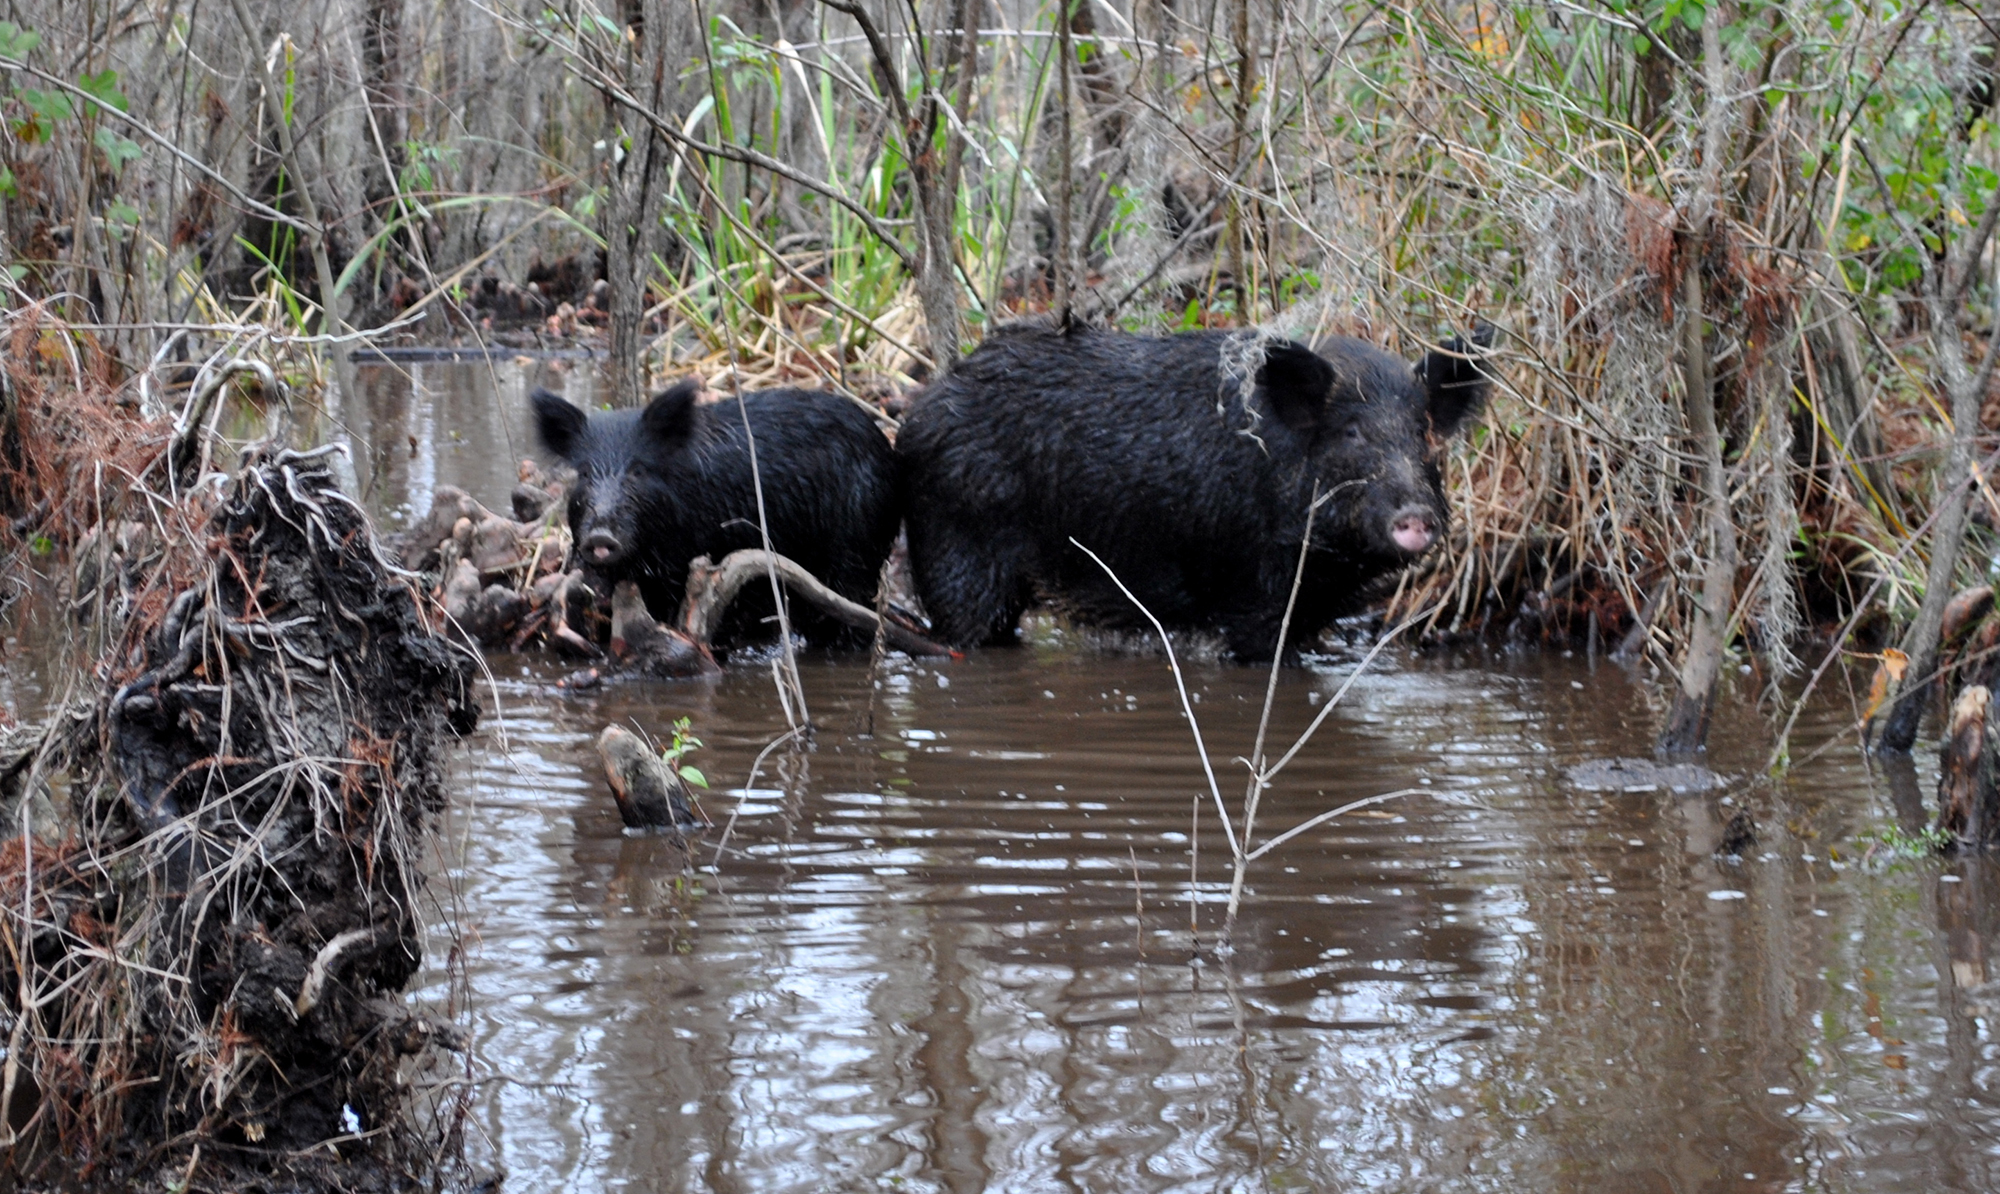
(1413, 531)
(601, 547)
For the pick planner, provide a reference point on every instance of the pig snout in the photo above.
(601, 547)
(1413, 529)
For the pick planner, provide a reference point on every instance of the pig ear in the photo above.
(670, 415)
(1454, 383)
(559, 425)
(1297, 383)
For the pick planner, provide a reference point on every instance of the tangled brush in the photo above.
(207, 972)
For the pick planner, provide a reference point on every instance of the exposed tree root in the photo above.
(204, 977)
(711, 587)
(505, 587)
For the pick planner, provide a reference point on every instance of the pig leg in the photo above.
(970, 584)
(1252, 627)
(1251, 639)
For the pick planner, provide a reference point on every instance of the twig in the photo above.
(1180, 685)
(1253, 793)
(1323, 818)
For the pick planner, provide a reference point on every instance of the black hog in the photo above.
(659, 486)
(1148, 451)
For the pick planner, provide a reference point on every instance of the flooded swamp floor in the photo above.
(948, 948)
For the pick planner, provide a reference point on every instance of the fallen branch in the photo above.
(711, 587)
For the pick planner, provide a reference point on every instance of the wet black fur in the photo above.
(673, 481)
(1141, 448)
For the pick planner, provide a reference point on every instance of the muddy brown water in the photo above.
(954, 954)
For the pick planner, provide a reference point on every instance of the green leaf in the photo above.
(15, 42)
(694, 776)
(7, 186)
(119, 150)
(48, 106)
(121, 212)
(103, 87)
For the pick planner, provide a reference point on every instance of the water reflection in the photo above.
(955, 955)
(417, 425)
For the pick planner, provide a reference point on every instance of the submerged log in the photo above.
(643, 645)
(1968, 802)
(1964, 613)
(649, 795)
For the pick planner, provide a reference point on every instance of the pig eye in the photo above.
(1352, 433)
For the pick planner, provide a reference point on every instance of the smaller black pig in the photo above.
(659, 486)
(1145, 450)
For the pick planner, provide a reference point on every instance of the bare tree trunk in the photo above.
(382, 83)
(1106, 159)
(628, 240)
(1851, 409)
(1694, 696)
(632, 216)
(938, 279)
(1232, 236)
(1065, 257)
(1946, 284)
(937, 288)
(1920, 642)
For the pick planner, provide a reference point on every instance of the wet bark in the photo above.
(1968, 802)
(1946, 286)
(711, 587)
(1694, 696)
(649, 795)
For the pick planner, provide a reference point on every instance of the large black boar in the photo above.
(659, 486)
(1146, 451)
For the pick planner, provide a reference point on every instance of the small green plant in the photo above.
(683, 745)
(1901, 843)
